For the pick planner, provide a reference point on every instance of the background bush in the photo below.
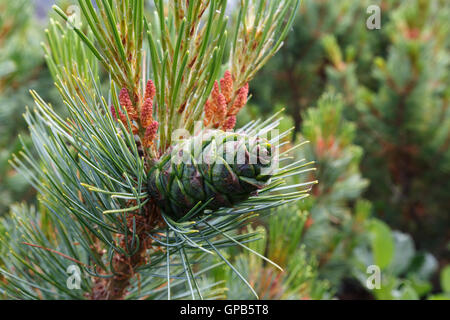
(385, 139)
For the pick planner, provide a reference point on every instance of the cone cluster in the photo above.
(139, 117)
(225, 103)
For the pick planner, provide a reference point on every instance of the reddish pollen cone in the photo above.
(150, 134)
(147, 113)
(225, 103)
(226, 85)
(125, 102)
(150, 90)
(230, 123)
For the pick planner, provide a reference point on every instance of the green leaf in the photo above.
(439, 297)
(423, 265)
(407, 292)
(404, 253)
(382, 243)
(422, 287)
(445, 279)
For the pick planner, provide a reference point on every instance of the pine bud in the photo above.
(125, 102)
(221, 110)
(218, 111)
(215, 108)
(230, 123)
(226, 85)
(150, 90)
(215, 94)
(209, 113)
(122, 117)
(113, 112)
(150, 134)
(147, 113)
(241, 100)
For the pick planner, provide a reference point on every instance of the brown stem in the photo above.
(115, 288)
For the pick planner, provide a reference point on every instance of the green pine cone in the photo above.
(226, 168)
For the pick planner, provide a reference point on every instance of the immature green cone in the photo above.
(221, 167)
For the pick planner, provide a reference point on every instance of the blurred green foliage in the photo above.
(22, 68)
(404, 122)
(280, 234)
(333, 237)
(385, 137)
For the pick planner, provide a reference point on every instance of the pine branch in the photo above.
(105, 174)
